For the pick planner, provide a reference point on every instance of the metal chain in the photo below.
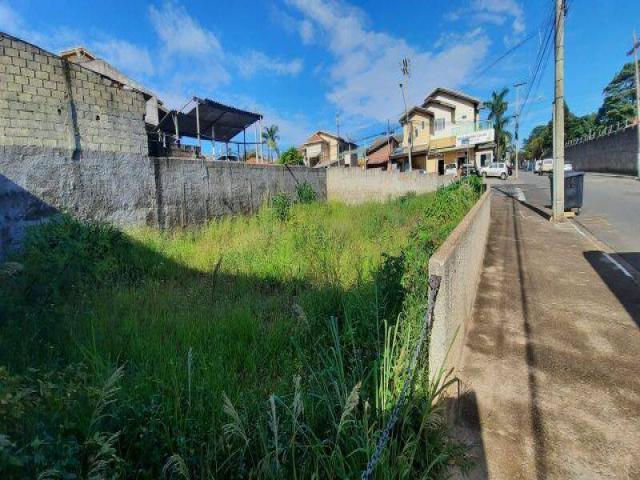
(434, 286)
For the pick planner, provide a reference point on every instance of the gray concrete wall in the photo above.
(213, 189)
(614, 153)
(458, 262)
(354, 185)
(132, 189)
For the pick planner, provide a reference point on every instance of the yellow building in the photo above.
(445, 129)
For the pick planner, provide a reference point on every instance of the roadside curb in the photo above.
(620, 263)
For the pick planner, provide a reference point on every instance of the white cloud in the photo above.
(257, 62)
(180, 33)
(130, 58)
(307, 31)
(496, 12)
(8, 17)
(365, 73)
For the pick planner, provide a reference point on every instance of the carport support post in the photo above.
(213, 141)
(198, 124)
(260, 137)
(244, 143)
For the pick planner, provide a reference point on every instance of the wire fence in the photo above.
(434, 287)
(602, 132)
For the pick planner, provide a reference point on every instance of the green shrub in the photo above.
(291, 156)
(306, 193)
(281, 204)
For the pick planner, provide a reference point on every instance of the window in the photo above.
(422, 124)
(416, 133)
(439, 124)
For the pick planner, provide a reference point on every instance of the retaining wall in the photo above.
(458, 262)
(614, 153)
(354, 185)
(126, 189)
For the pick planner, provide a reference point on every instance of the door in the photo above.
(441, 166)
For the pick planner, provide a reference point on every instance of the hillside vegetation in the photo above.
(270, 346)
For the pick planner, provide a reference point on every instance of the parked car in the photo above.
(450, 169)
(469, 169)
(537, 166)
(546, 166)
(495, 170)
(568, 167)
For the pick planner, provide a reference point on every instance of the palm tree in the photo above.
(497, 107)
(270, 135)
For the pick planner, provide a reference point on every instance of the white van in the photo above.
(546, 166)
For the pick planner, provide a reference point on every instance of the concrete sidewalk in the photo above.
(550, 373)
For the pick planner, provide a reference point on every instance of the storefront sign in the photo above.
(481, 136)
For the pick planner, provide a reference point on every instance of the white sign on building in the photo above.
(474, 138)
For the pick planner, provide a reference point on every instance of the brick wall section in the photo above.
(48, 102)
(615, 153)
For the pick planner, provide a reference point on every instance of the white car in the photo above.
(495, 170)
(537, 166)
(450, 169)
(546, 166)
(568, 167)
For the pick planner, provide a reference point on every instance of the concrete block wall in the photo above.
(458, 263)
(46, 101)
(614, 153)
(190, 192)
(354, 185)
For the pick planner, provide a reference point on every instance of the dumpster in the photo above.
(573, 190)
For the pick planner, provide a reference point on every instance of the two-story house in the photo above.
(445, 129)
(323, 149)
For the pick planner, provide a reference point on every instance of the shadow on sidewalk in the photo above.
(540, 443)
(624, 288)
(508, 191)
(466, 423)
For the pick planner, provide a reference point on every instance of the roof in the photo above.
(453, 93)
(420, 110)
(442, 103)
(78, 52)
(403, 152)
(225, 121)
(382, 141)
(315, 138)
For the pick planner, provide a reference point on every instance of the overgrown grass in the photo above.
(249, 348)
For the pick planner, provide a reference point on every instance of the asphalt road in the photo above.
(611, 209)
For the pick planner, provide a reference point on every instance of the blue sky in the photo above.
(300, 61)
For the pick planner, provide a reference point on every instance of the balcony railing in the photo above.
(470, 127)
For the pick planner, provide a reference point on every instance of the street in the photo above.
(610, 214)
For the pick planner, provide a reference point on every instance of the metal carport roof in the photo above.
(217, 121)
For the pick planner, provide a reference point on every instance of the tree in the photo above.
(498, 106)
(540, 141)
(619, 98)
(291, 156)
(270, 135)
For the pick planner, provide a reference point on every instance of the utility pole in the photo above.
(404, 87)
(517, 115)
(634, 52)
(558, 133)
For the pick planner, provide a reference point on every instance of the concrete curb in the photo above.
(458, 262)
